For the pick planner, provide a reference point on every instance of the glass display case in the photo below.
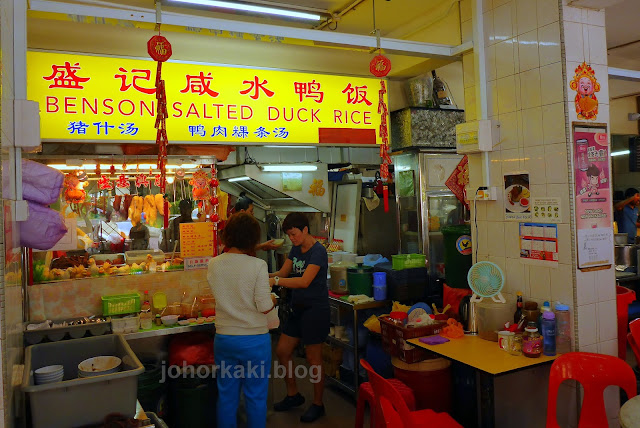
(425, 204)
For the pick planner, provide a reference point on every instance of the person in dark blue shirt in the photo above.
(305, 273)
(629, 214)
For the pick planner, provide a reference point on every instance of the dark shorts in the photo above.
(310, 325)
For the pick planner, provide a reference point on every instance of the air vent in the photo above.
(634, 154)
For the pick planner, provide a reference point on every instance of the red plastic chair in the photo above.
(366, 395)
(395, 412)
(594, 372)
(633, 337)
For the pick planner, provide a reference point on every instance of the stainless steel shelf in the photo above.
(340, 384)
(165, 331)
(332, 340)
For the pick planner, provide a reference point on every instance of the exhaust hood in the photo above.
(266, 188)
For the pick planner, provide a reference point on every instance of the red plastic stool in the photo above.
(365, 395)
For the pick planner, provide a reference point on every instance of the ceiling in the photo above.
(60, 32)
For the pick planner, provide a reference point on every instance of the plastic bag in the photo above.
(43, 228)
(453, 296)
(191, 349)
(40, 183)
(374, 259)
(399, 307)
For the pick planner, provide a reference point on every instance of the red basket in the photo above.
(394, 339)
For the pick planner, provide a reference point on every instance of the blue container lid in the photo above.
(549, 315)
(561, 307)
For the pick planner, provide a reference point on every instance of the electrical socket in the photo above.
(484, 194)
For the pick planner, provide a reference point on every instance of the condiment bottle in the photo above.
(549, 333)
(518, 314)
(563, 329)
(146, 303)
(531, 342)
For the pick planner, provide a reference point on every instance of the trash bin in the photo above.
(624, 297)
(457, 255)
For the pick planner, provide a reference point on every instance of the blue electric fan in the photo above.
(486, 280)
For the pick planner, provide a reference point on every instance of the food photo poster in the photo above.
(517, 196)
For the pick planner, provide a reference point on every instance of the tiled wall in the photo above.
(528, 73)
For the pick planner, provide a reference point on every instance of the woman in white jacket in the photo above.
(240, 285)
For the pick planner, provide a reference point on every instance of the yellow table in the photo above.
(482, 354)
(490, 362)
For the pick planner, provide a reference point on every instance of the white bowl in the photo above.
(53, 376)
(48, 370)
(169, 320)
(99, 365)
(54, 380)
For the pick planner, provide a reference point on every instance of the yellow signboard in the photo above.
(91, 98)
(196, 239)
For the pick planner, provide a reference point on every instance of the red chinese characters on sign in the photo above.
(123, 181)
(356, 95)
(137, 74)
(459, 180)
(255, 87)
(158, 180)
(141, 181)
(64, 76)
(159, 48)
(200, 85)
(380, 66)
(309, 90)
(104, 183)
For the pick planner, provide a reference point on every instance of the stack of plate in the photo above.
(98, 366)
(48, 374)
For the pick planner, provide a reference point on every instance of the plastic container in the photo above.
(408, 261)
(125, 325)
(380, 292)
(191, 400)
(408, 285)
(360, 280)
(549, 333)
(545, 308)
(79, 402)
(624, 297)
(457, 255)
(531, 311)
(338, 282)
(492, 316)
(430, 381)
(563, 329)
(119, 304)
(531, 342)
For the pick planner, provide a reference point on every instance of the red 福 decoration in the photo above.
(159, 49)
(380, 66)
(459, 180)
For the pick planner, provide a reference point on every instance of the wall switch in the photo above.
(487, 194)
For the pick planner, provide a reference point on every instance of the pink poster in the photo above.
(593, 198)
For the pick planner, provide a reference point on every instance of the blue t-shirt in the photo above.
(317, 293)
(628, 223)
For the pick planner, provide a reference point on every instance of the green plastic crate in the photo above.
(119, 304)
(408, 261)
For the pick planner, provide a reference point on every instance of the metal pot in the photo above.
(626, 255)
(621, 238)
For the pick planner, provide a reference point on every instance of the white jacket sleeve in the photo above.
(262, 290)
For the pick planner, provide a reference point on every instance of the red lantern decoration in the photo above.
(159, 48)
(215, 218)
(214, 183)
(112, 170)
(380, 66)
(214, 200)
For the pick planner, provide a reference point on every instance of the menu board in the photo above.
(539, 241)
(196, 239)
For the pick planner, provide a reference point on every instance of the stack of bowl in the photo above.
(48, 374)
(98, 366)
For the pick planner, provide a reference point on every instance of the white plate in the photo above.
(47, 370)
(515, 207)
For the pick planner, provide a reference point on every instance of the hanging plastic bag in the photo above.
(43, 228)
(40, 183)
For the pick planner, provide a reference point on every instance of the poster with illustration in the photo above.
(592, 195)
(517, 196)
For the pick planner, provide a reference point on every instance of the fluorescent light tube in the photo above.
(289, 168)
(244, 178)
(620, 153)
(255, 9)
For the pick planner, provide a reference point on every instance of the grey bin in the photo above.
(78, 402)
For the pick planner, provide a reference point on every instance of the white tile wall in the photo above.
(465, 10)
(549, 44)
(607, 330)
(491, 62)
(539, 283)
(547, 12)
(535, 164)
(530, 89)
(508, 131)
(551, 84)
(587, 331)
(527, 19)
(556, 163)
(470, 104)
(553, 123)
(586, 288)
(505, 58)
(532, 127)
(468, 70)
(489, 37)
(609, 347)
(573, 42)
(506, 95)
(528, 50)
(605, 285)
(562, 284)
(597, 45)
(596, 17)
(495, 229)
(516, 280)
(564, 245)
(503, 22)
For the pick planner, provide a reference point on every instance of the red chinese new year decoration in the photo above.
(141, 181)
(384, 132)
(104, 183)
(123, 181)
(158, 181)
(459, 180)
(159, 49)
(200, 183)
(380, 66)
(112, 170)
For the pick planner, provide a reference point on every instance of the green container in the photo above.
(192, 401)
(408, 261)
(120, 304)
(457, 255)
(360, 280)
